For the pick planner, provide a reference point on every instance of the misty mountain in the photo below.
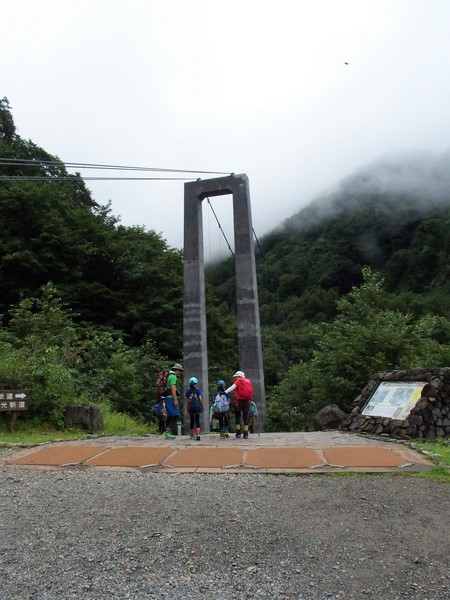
(393, 216)
(423, 178)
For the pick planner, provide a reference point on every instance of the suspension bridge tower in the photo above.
(195, 351)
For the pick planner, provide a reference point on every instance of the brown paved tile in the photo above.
(130, 456)
(58, 455)
(206, 457)
(363, 456)
(285, 458)
(281, 452)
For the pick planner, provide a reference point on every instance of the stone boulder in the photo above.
(329, 417)
(83, 416)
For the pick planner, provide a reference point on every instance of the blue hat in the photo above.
(193, 380)
(221, 383)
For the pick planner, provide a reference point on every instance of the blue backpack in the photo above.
(159, 411)
(194, 404)
(253, 412)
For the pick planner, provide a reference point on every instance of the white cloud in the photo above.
(253, 86)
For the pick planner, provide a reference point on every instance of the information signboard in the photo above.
(394, 399)
(14, 399)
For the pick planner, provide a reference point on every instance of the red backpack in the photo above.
(244, 389)
(161, 383)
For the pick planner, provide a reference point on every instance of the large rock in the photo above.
(83, 416)
(329, 417)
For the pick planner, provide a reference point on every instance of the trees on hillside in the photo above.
(324, 329)
(366, 336)
(42, 349)
(123, 279)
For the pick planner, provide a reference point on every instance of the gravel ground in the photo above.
(95, 534)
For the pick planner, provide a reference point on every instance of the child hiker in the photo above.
(221, 407)
(194, 407)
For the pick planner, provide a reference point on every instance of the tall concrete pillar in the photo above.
(249, 334)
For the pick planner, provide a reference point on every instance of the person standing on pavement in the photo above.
(194, 407)
(171, 400)
(243, 394)
(221, 407)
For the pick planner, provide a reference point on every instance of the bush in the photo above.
(365, 337)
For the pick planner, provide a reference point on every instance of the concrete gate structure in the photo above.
(195, 350)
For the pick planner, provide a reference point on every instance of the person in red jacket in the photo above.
(243, 394)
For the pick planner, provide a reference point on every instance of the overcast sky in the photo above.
(297, 94)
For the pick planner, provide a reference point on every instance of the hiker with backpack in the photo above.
(220, 409)
(170, 400)
(243, 394)
(194, 407)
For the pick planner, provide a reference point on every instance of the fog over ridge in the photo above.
(422, 177)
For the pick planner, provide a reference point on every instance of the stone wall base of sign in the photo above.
(429, 418)
(83, 416)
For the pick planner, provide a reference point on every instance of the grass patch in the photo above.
(436, 474)
(121, 424)
(27, 435)
(438, 451)
(30, 432)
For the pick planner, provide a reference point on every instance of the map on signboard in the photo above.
(394, 399)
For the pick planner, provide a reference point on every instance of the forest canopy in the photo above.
(90, 309)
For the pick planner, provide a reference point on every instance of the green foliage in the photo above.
(116, 423)
(222, 338)
(7, 127)
(28, 431)
(43, 351)
(364, 338)
(290, 405)
(437, 450)
(109, 372)
(123, 279)
(42, 357)
(11, 372)
(112, 315)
